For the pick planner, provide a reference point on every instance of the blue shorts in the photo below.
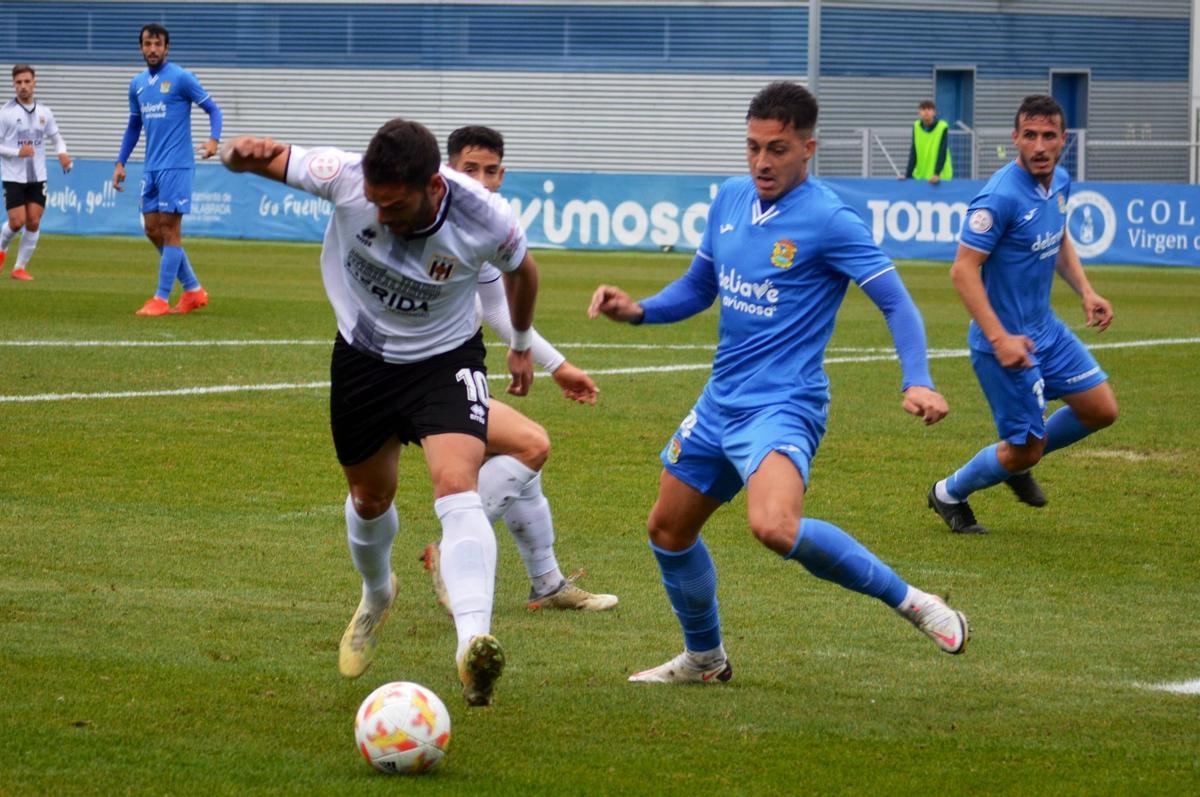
(1062, 366)
(167, 191)
(715, 452)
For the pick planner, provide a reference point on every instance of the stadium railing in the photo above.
(976, 153)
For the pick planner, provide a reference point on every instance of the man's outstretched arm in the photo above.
(692, 293)
(265, 157)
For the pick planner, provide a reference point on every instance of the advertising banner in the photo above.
(1151, 224)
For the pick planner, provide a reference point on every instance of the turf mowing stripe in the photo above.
(934, 354)
(1180, 688)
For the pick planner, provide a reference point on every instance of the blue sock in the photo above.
(168, 268)
(830, 553)
(982, 471)
(186, 275)
(1064, 428)
(691, 581)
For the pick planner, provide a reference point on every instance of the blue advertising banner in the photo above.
(1148, 224)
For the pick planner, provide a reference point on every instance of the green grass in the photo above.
(174, 579)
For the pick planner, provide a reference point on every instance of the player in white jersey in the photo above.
(400, 262)
(517, 447)
(25, 127)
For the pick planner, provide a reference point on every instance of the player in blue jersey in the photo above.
(160, 100)
(1012, 244)
(778, 253)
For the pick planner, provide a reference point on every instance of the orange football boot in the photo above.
(2, 256)
(190, 300)
(21, 274)
(154, 306)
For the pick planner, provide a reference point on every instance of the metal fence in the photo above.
(883, 152)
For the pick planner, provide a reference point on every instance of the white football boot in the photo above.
(682, 670)
(357, 648)
(947, 627)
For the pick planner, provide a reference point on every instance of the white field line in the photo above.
(1180, 687)
(883, 355)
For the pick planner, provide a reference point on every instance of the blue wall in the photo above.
(578, 37)
(599, 38)
(909, 43)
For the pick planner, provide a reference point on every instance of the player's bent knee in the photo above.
(778, 534)
(666, 535)
(370, 504)
(534, 446)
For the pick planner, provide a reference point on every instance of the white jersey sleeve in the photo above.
(326, 172)
(506, 256)
(493, 305)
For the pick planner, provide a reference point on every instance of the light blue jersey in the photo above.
(781, 274)
(163, 100)
(1019, 225)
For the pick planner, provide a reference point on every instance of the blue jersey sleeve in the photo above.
(986, 222)
(710, 224)
(683, 298)
(904, 320)
(849, 249)
(191, 88)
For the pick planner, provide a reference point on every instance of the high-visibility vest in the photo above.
(927, 143)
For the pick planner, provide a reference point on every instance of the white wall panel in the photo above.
(552, 121)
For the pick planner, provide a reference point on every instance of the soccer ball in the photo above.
(402, 728)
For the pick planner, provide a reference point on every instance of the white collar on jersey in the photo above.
(759, 216)
(443, 209)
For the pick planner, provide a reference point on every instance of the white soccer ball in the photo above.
(402, 728)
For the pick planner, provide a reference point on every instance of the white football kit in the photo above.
(18, 126)
(405, 299)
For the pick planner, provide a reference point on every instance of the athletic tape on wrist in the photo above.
(522, 339)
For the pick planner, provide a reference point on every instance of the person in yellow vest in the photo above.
(929, 155)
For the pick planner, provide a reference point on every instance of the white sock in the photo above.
(703, 659)
(6, 236)
(528, 520)
(501, 480)
(468, 561)
(370, 544)
(943, 494)
(914, 597)
(25, 250)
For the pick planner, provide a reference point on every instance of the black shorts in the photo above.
(18, 195)
(370, 400)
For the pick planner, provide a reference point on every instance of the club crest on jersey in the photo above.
(673, 449)
(1062, 204)
(165, 87)
(784, 254)
(441, 267)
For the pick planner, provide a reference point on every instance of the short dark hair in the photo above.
(401, 153)
(789, 103)
(927, 104)
(154, 29)
(1040, 105)
(20, 68)
(474, 136)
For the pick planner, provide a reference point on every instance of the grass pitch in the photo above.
(174, 578)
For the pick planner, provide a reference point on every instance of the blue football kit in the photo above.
(780, 272)
(1019, 224)
(160, 100)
